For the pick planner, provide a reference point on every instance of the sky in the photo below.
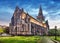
(50, 8)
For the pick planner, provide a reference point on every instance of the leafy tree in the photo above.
(52, 32)
(4, 30)
(1, 30)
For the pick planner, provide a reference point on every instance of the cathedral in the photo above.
(24, 24)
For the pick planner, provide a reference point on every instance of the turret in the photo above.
(47, 24)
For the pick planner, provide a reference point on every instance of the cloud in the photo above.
(52, 2)
(33, 11)
(56, 0)
(6, 9)
(5, 15)
(53, 23)
(55, 15)
(4, 23)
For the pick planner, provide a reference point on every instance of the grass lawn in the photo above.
(20, 39)
(53, 37)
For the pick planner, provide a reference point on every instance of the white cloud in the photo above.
(33, 11)
(45, 12)
(36, 11)
(7, 9)
(5, 18)
(58, 12)
(4, 23)
(54, 23)
(52, 2)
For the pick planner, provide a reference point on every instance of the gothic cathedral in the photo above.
(24, 24)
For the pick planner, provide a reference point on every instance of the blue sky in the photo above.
(51, 10)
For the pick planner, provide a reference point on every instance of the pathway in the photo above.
(45, 40)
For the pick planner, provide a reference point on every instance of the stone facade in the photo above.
(24, 24)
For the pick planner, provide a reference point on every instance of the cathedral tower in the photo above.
(40, 16)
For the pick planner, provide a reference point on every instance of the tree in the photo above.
(1, 30)
(52, 32)
(6, 30)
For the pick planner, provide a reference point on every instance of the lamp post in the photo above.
(55, 32)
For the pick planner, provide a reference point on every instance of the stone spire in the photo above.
(40, 16)
(40, 11)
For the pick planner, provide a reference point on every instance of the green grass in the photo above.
(20, 39)
(53, 38)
